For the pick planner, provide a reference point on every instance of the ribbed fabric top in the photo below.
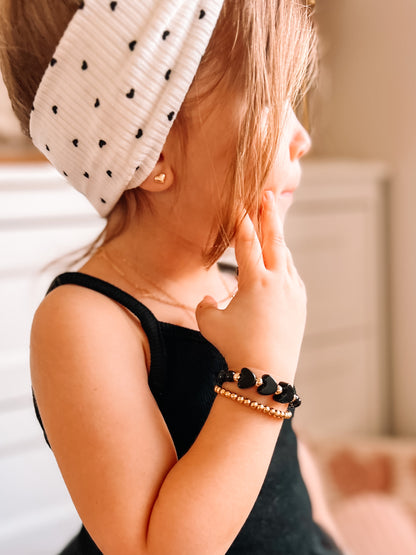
(113, 88)
(281, 519)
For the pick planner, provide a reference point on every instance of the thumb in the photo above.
(206, 311)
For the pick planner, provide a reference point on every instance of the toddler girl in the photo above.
(164, 382)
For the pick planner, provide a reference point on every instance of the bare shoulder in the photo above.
(83, 319)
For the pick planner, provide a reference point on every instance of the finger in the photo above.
(207, 313)
(247, 249)
(290, 261)
(274, 246)
(291, 268)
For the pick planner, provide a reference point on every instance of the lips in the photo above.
(288, 191)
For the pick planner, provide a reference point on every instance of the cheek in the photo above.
(276, 183)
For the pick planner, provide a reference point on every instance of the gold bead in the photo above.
(227, 394)
(222, 391)
(279, 390)
(233, 396)
(260, 407)
(240, 399)
(273, 412)
(247, 402)
(288, 415)
(267, 409)
(259, 382)
(254, 404)
(236, 376)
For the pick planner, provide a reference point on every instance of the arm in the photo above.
(110, 440)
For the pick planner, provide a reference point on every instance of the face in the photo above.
(285, 175)
(191, 206)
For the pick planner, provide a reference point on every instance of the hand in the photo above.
(263, 326)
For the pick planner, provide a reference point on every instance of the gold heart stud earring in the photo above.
(160, 178)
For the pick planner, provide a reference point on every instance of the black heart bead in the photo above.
(288, 392)
(224, 376)
(296, 402)
(268, 387)
(247, 379)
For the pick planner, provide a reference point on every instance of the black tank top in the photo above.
(281, 519)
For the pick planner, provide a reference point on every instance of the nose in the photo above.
(300, 143)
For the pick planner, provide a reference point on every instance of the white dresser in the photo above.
(40, 219)
(336, 231)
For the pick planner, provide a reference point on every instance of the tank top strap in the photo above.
(148, 321)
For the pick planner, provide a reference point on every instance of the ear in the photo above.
(161, 178)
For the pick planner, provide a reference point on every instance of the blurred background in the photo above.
(353, 234)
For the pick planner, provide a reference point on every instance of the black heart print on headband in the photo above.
(114, 121)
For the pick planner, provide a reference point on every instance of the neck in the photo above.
(156, 248)
(159, 250)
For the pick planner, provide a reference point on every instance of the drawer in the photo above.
(333, 253)
(14, 379)
(32, 247)
(37, 516)
(19, 427)
(22, 285)
(340, 389)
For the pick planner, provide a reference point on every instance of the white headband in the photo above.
(114, 87)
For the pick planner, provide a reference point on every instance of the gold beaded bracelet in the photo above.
(274, 413)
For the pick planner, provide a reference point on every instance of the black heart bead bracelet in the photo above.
(282, 392)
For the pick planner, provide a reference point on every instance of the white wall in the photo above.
(367, 109)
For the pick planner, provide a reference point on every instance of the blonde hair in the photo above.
(263, 52)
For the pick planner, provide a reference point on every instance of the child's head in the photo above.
(259, 58)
